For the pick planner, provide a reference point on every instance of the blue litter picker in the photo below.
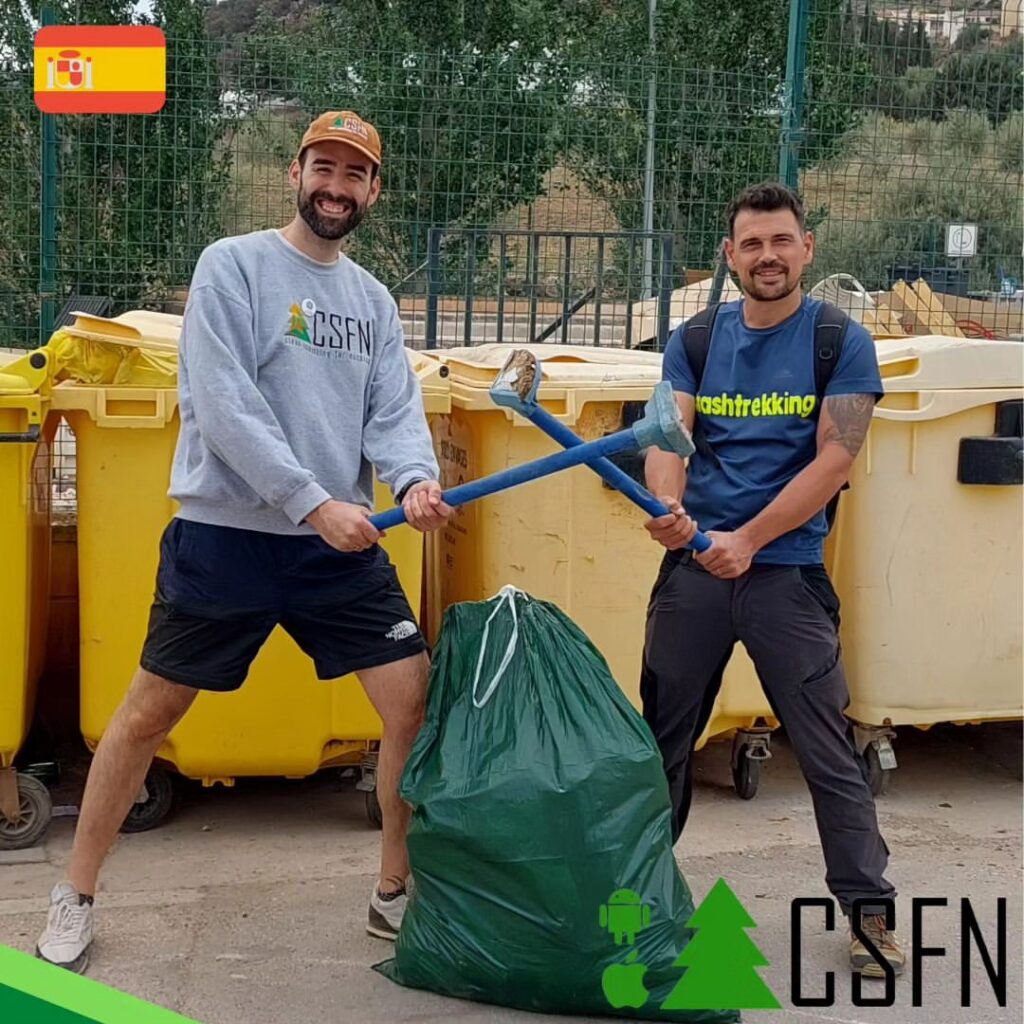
(516, 388)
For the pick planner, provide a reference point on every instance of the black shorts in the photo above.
(221, 591)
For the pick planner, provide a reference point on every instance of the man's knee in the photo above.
(153, 706)
(399, 691)
(405, 718)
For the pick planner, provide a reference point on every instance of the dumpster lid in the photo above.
(427, 369)
(154, 338)
(433, 382)
(940, 363)
(138, 328)
(561, 365)
(138, 348)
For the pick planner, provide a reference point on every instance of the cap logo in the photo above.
(352, 125)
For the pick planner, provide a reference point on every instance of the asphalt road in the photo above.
(248, 906)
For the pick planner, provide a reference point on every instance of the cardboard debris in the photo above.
(923, 308)
(979, 318)
(906, 309)
(685, 302)
(849, 295)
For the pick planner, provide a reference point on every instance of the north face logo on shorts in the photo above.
(402, 630)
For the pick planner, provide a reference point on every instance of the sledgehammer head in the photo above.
(516, 386)
(661, 426)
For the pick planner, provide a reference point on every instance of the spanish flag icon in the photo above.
(100, 69)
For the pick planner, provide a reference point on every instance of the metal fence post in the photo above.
(665, 291)
(532, 274)
(502, 256)
(48, 212)
(433, 283)
(792, 114)
(652, 108)
(566, 286)
(467, 328)
(599, 290)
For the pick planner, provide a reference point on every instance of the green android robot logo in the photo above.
(720, 960)
(625, 915)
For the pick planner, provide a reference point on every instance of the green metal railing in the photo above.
(582, 289)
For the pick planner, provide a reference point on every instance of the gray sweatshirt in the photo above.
(293, 384)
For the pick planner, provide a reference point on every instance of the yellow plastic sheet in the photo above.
(85, 361)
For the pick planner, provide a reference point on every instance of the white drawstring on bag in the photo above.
(507, 593)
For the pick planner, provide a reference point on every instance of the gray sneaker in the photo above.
(69, 930)
(385, 917)
(885, 941)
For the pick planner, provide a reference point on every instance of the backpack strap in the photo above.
(697, 332)
(697, 339)
(830, 325)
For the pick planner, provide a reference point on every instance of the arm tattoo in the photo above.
(850, 417)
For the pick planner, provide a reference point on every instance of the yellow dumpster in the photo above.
(567, 538)
(928, 557)
(283, 721)
(26, 436)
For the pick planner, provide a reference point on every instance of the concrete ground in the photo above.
(248, 906)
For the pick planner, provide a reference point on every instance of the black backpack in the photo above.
(830, 325)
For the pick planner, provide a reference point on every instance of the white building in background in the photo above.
(949, 24)
(1010, 20)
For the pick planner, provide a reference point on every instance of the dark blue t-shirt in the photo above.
(758, 408)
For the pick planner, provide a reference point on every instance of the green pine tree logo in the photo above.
(297, 327)
(720, 960)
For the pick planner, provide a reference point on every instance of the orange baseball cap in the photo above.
(344, 126)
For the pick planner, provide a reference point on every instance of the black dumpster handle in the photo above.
(28, 437)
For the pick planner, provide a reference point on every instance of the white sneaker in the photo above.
(69, 929)
(385, 918)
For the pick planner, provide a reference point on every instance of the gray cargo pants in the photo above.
(787, 618)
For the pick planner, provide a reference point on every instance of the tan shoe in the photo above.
(873, 926)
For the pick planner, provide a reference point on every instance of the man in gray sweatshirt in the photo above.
(294, 386)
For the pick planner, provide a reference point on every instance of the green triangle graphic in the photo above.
(35, 992)
(17, 1007)
(721, 960)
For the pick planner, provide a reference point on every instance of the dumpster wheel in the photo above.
(35, 810)
(749, 748)
(875, 745)
(746, 775)
(373, 809)
(878, 776)
(367, 785)
(157, 799)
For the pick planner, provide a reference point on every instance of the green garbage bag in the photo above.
(540, 842)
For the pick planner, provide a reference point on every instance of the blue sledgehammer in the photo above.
(660, 427)
(516, 388)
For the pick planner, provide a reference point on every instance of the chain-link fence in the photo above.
(554, 153)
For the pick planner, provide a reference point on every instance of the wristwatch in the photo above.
(400, 496)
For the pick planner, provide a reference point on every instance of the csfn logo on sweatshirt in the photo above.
(328, 334)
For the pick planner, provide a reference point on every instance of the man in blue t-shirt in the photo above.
(769, 460)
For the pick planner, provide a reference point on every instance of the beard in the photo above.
(757, 288)
(330, 228)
